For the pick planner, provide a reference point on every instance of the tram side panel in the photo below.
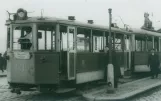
(141, 62)
(47, 68)
(90, 67)
(20, 70)
(63, 65)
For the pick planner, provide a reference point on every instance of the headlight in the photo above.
(21, 14)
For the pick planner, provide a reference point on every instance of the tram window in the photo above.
(127, 43)
(156, 44)
(63, 33)
(98, 41)
(149, 44)
(47, 40)
(22, 38)
(71, 39)
(143, 45)
(118, 42)
(64, 41)
(83, 40)
(140, 43)
(41, 42)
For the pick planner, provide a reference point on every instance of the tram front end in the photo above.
(37, 69)
(31, 59)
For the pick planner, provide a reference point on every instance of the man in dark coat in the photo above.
(5, 61)
(1, 62)
(154, 63)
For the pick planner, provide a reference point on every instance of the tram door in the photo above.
(71, 52)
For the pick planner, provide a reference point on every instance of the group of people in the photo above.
(3, 62)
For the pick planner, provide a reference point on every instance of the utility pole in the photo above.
(110, 68)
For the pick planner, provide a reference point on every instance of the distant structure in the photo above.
(147, 23)
(159, 30)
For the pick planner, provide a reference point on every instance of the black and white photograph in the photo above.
(80, 50)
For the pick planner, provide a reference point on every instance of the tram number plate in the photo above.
(22, 55)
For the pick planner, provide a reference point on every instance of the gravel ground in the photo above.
(153, 95)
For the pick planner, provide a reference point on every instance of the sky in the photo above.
(130, 11)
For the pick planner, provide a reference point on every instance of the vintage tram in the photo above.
(52, 53)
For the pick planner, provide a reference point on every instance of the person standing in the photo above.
(5, 61)
(1, 62)
(154, 63)
(26, 40)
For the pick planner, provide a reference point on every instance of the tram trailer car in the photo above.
(52, 53)
(144, 42)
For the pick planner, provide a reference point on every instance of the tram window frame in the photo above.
(21, 35)
(63, 32)
(83, 35)
(127, 42)
(141, 40)
(119, 36)
(148, 44)
(44, 37)
(156, 44)
(8, 37)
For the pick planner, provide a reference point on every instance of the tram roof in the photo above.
(145, 32)
(81, 24)
(68, 22)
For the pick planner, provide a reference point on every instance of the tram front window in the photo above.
(22, 38)
(47, 39)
